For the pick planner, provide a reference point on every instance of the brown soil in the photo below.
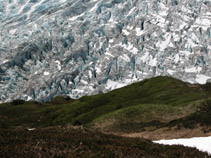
(77, 142)
(166, 133)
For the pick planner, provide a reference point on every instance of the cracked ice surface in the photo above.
(85, 47)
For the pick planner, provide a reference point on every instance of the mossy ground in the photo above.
(78, 142)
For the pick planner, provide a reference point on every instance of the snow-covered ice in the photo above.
(201, 143)
(114, 85)
(46, 73)
(126, 32)
(51, 47)
(202, 79)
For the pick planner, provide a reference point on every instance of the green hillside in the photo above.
(151, 102)
(155, 108)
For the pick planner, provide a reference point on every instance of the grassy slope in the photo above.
(148, 100)
(158, 102)
(83, 143)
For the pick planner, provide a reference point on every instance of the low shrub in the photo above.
(17, 102)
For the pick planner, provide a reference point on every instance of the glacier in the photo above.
(87, 47)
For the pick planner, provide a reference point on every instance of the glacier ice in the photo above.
(85, 47)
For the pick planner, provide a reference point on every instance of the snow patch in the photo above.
(153, 62)
(5, 61)
(46, 73)
(145, 56)
(176, 59)
(125, 57)
(139, 32)
(164, 44)
(191, 70)
(31, 129)
(13, 31)
(114, 85)
(171, 72)
(29, 98)
(109, 54)
(111, 40)
(202, 79)
(98, 70)
(58, 64)
(130, 48)
(126, 32)
(84, 82)
(201, 143)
